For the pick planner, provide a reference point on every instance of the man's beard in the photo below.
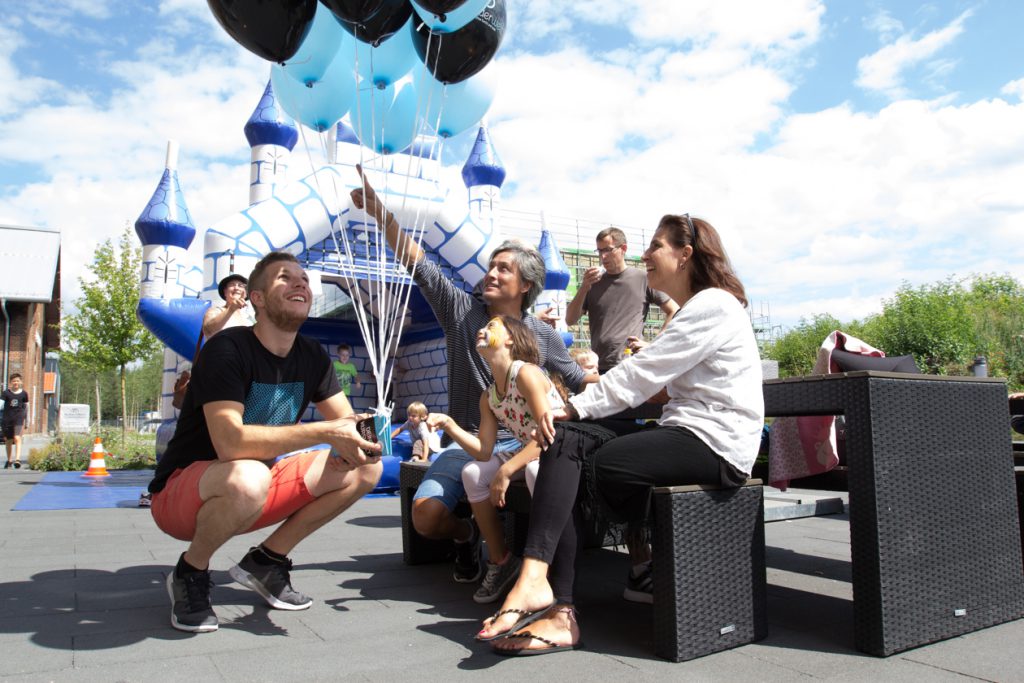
(282, 319)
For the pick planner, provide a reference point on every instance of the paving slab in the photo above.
(82, 598)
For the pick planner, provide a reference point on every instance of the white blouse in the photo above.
(707, 358)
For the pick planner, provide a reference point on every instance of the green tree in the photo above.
(105, 333)
(797, 350)
(996, 306)
(932, 323)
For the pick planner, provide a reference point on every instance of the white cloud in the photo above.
(821, 212)
(883, 70)
(1014, 88)
(885, 25)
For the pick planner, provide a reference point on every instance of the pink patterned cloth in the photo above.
(802, 446)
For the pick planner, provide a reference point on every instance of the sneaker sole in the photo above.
(249, 581)
(473, 579)
(201, 628)
(638, 596)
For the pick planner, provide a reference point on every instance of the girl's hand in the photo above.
(499, 485)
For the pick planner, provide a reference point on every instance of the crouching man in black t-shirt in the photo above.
(218, 478)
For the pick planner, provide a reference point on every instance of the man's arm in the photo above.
(669, 307)
(406, 249)
(574, 311)
(234, 440)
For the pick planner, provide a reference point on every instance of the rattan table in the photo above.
(934, 535)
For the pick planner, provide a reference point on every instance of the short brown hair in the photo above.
(14, 375)
(524, 342)
(617, 235)
(259, 272)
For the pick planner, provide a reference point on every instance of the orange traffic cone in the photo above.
(97, 465)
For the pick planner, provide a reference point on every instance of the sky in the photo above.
(842, 149)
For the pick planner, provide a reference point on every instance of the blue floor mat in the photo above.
(72, 491)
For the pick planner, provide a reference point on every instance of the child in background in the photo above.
(522, 392)
(424, 440)
(345, 370)
(15, 400)
(585, 358)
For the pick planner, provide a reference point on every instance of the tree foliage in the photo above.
(105, 333)
(944, 325)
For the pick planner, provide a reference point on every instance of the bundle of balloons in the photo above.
(398, 67)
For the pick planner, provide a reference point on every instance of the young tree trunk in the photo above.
(99, 416)
(124, 403)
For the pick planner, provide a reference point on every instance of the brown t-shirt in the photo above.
(615, 305)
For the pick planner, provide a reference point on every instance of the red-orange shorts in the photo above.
(175, 508)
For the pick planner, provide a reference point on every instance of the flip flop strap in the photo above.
(528, 634)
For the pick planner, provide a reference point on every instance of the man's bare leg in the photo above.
(335, 492)
(233, 493)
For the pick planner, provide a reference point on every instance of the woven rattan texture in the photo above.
(935, 539)
(709, 571)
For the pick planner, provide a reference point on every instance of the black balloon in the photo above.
(355, 11)
(382, 24)
(440, 7)
(272, 29)
(454, 57)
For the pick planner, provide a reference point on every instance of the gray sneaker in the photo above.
(190, 602)
(498, 580)
(640, 587)
(272, 581)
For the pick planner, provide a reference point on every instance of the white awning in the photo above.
(28, 262)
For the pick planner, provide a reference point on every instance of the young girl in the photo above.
(520, 392)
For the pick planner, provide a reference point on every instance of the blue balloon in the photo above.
(320, 105)
(456, 107)
(318, 49)
(454, 20)
(388, 62)
(385, 121)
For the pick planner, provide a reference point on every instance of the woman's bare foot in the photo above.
(558, 626)
(531, 592)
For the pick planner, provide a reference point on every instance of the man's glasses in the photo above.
(607, 250)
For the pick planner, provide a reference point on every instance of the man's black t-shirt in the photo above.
(14, 406)
(235, 366)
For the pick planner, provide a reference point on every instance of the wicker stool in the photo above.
(709, 572)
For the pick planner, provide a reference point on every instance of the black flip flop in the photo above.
(527, 618)
(529, 652)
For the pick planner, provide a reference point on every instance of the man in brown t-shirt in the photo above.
(615, 297)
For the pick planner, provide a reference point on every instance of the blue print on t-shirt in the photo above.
(273, 404)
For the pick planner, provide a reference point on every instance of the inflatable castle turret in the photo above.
(556, 281)
(272, 136)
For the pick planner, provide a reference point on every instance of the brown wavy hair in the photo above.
(710, 266)
(524, 342)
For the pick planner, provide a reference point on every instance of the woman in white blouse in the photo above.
(706, 358)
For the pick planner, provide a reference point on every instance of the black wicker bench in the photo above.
(934, 528)
(710, 586)
(709, 564)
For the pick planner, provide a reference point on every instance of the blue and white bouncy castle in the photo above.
(382, 85)
(314, 219)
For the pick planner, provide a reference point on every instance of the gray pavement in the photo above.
(82, 598)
